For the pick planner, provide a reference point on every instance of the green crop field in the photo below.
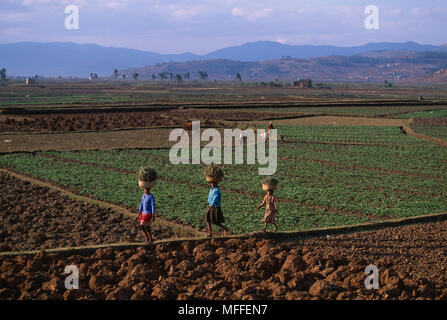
(329, 176)
(437, 113)
(432, 131)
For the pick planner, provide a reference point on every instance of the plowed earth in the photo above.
(410, 260)
(34, 217)
(120, 120)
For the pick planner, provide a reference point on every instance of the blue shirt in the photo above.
(147, 204)
(214, 197)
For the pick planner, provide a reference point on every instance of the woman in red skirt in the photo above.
(146, 214)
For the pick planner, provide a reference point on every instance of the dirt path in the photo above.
(337, 121)
(408, 131)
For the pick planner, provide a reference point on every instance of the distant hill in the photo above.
(269, 50)
(370, 67)
(79, 60)
(439, 77)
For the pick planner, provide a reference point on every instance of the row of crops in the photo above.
(321, 184)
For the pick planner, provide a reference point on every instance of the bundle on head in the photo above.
(146, 177)
(187, 126)
(213, 173)
(269, 183)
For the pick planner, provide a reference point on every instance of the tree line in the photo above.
(177, 77)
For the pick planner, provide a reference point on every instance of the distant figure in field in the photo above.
(269, 127)
(188, 126)
(147, 177)
(270, 202)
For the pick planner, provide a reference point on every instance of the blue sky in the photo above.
(199, 26)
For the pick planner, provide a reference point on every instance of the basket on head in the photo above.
(211, 179)
(269, 184)
(147, 177)
(213, 174)
(146, 184)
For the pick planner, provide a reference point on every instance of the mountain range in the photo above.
(68, 59)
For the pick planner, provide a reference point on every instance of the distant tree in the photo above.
(163, 75)
(93, 76)
(135, 76)
(238, 77)
(187, 76)
(178, 78)
(124, 76)
(171, 76)
(115, 73)
(203, 75)
(154, 76)
(3, 74)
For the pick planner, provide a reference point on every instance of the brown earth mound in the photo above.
(410, 260)
(34, 217)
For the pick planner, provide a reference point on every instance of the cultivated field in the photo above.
(344, 159)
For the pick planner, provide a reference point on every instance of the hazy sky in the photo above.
(199, 26)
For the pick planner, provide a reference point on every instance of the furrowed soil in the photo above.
(98, 121)
(94, 140)
(410, 260)
(35, 217)
(429, 122)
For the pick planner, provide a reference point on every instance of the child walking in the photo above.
(270, 202)
(147, 177)
(214, 215)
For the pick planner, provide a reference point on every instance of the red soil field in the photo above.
(410, 259)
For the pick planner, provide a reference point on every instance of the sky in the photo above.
(202, 26)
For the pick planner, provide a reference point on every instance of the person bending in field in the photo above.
(214, 215)
(270, 202)
(147, 177)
